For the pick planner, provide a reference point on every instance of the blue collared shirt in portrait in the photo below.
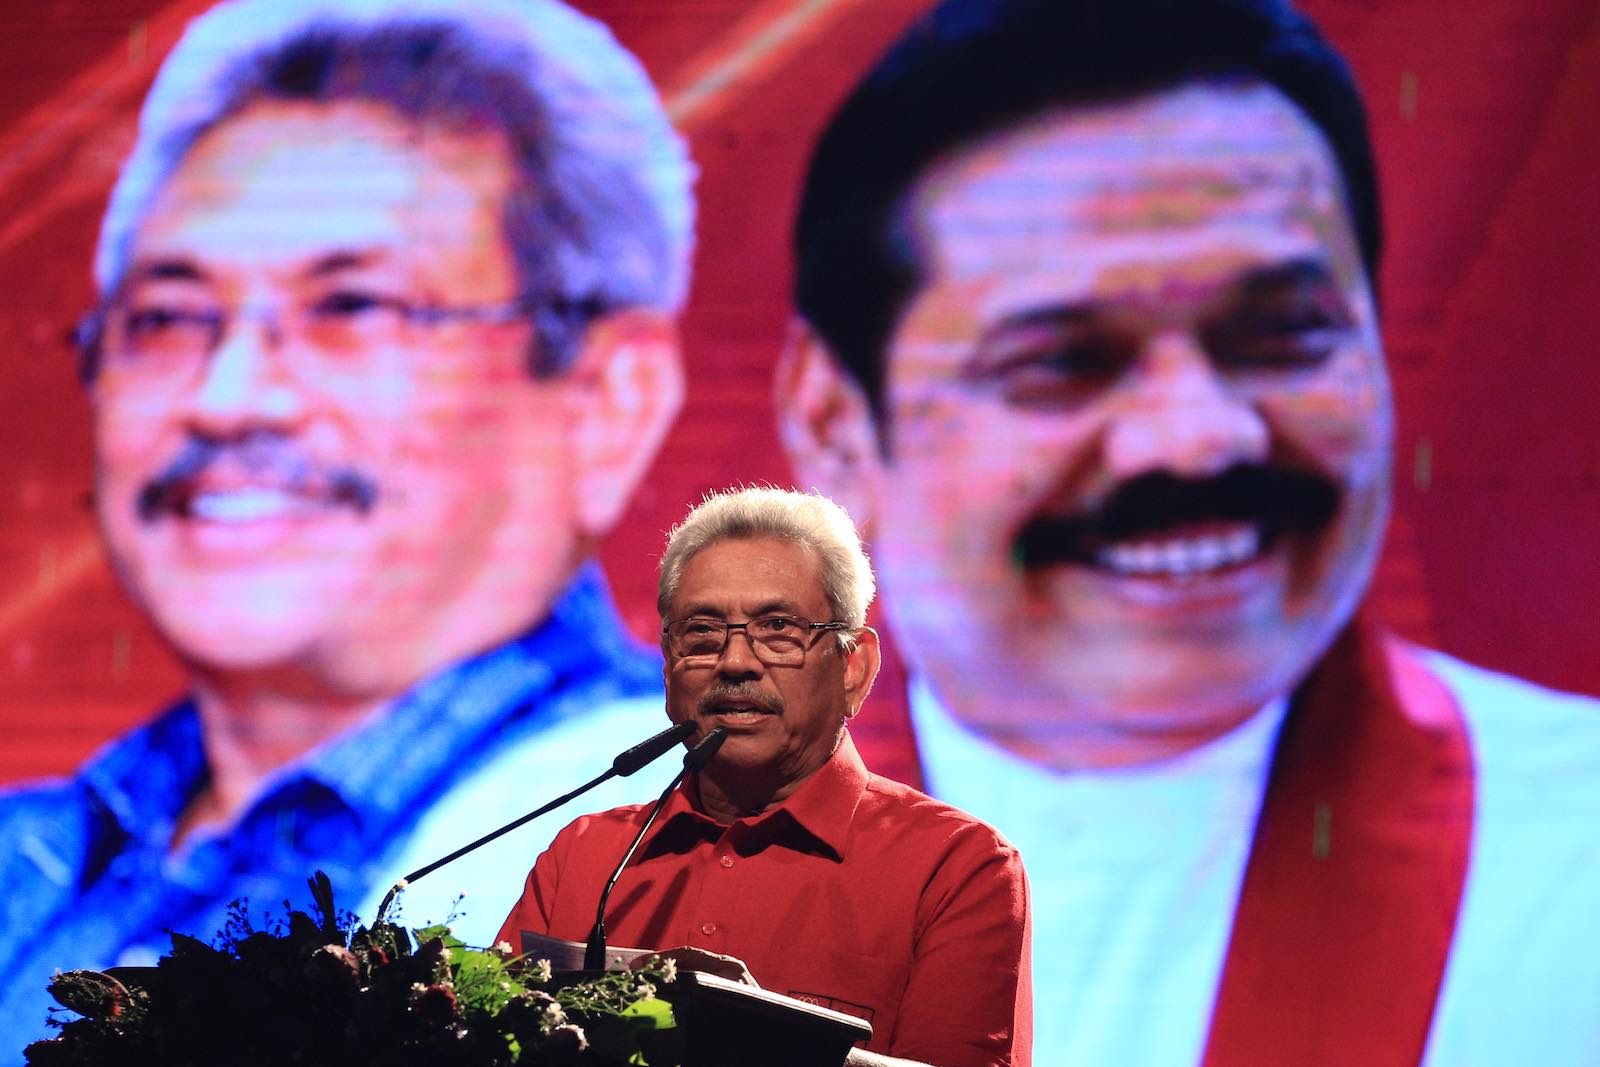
(88, 878)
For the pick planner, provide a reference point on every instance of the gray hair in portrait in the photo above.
(601, 218)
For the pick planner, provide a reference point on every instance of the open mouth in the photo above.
(740, 716)
(735, 708)
(1179, 555)
(740, 710)
(1162, 526)
(259, 478)
(244, 504)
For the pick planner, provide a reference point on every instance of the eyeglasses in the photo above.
(340, 333)
(777, 640)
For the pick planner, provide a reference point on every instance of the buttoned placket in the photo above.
(717, 881)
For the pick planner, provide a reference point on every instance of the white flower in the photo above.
(504, 948)
(542, 971)
(669, 970)
(555, 1013)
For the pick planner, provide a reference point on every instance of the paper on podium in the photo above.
(568, 955)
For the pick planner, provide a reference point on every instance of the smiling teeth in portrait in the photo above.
(1180, 556)
(244, 504)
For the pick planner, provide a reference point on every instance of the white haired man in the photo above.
(831, 884)
(386, 338)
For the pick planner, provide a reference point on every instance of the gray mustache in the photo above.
(743, 691)
(263, 454)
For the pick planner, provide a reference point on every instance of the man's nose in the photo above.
(244, 383)
(1178, 414)
(739, 659)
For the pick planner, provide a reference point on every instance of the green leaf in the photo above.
(442, 932)
(656, 1012)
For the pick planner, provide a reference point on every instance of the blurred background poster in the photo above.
(1486, 147)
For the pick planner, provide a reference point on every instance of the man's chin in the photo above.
(746, 747)
(1058, 684)
(249, 621)
(238, 645)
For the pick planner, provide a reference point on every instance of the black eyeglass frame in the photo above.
(757, 645)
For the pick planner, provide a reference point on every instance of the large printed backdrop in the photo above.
(1485, 131)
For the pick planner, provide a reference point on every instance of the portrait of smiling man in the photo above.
(1090, 343)
(386, 339)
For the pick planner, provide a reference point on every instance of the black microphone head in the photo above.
(650, 750)
(700, 755)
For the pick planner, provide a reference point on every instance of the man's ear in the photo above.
(826, 425)
(860, 668)
(626, 389)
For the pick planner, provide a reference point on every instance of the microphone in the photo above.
(645, 752)
(697, 757)
(594, 952)
(648, 751)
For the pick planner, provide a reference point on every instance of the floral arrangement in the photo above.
(317, 989)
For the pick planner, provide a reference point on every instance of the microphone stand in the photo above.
(594, 952)
(625, 764)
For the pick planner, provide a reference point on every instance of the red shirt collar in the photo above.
(823, 806)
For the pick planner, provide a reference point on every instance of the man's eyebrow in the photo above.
(182, 268)
(162, 270)
(343, 259)
(776, 607)
(1300, 271)
(1058, 314)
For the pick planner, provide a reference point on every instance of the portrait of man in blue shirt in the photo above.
(385, 340)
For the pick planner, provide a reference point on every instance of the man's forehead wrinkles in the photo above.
(1198, 157)
(1061, 149)
(1161, 207)
(750, 607)
(266, 199)
(207, 268)
(340, 239)
(1065, 168)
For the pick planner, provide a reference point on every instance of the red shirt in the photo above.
(857, 893)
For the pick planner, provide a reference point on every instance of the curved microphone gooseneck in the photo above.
(594, 953)
(628, 762)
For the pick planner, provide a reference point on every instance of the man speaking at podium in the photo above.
(833, 885)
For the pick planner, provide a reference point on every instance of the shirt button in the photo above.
(708, 928)
(727, 861)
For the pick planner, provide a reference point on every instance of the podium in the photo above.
(721, 1022)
